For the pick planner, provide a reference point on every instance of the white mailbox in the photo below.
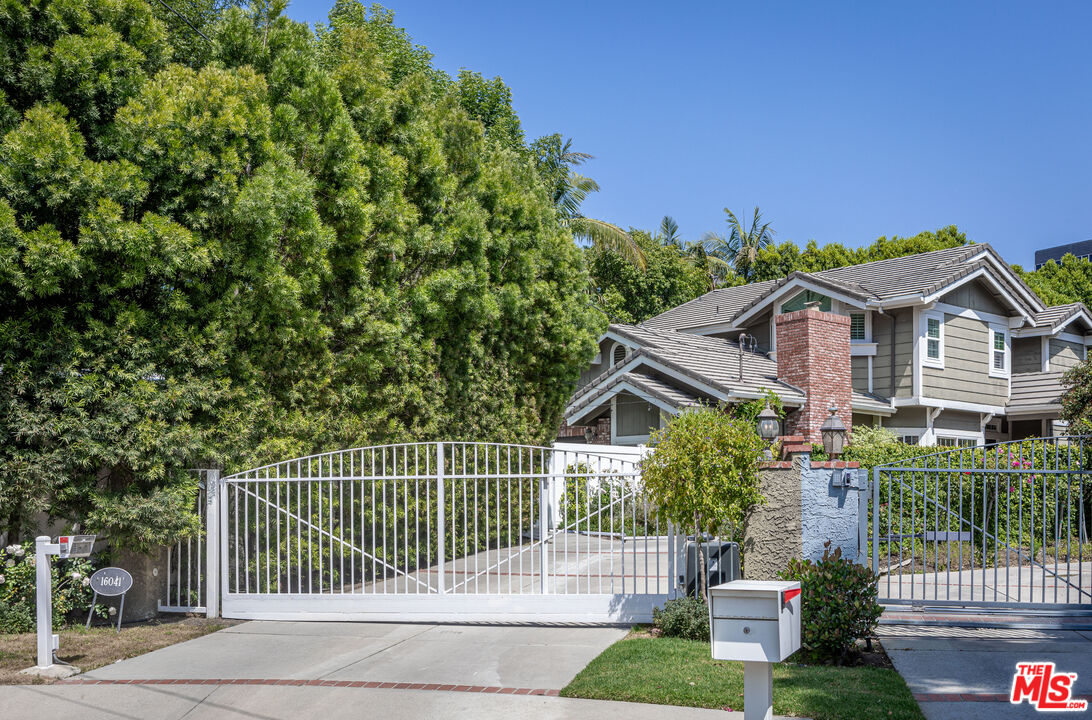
(754, 620)
(757, 622)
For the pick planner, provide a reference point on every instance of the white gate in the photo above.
(449, 531)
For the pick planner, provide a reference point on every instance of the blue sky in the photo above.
(843, 121)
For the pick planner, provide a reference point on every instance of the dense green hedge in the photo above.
(278, 241)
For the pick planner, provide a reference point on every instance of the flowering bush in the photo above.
(71, 588)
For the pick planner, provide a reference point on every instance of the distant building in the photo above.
(1081, 250)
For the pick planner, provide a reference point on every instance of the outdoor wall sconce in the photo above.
(589, 434)
(768, 425)
(834, 433)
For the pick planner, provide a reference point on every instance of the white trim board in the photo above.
(918, 401)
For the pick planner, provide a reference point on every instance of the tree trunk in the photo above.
(703, 574)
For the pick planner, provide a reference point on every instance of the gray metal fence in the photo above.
(1001, 525)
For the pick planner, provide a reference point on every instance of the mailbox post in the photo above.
(757, 622)
(65, 547)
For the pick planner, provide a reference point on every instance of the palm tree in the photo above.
(714, 268)
(668, 233)
(569, 189)
(742, 245)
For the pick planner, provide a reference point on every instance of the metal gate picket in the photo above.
(1003, 526)
(453, 531)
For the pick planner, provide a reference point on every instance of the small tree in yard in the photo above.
(704, 473)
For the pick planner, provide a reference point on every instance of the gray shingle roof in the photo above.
(1035, 392)
(712, 308)
(712, 362)
(708, 361)
(1057, 315)
(920, 274)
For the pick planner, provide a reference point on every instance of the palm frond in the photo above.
(607, 236)
(669, 231)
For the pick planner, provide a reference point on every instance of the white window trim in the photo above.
(927, 361)
(849, 311)
(994, 372)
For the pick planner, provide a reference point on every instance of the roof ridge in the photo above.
(960, 248)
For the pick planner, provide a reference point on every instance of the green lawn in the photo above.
(670, 671)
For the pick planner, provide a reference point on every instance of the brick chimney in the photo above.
(813, 354)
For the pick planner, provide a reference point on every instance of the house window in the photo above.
(956, 442)
(999, 351)
(856, 326)
(932, 346)
(909, 439)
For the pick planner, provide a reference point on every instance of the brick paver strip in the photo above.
(490, 689)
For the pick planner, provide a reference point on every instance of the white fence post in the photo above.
(44, 592)
(441, 531)
(212, 543)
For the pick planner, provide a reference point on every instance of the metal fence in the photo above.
(452, 530)
(186, 563)
(1001, 525)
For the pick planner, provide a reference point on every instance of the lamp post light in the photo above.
(589, 434)
(768, 424)
(834, 434)
(769, 427)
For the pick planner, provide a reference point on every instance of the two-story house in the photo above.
(945, 348)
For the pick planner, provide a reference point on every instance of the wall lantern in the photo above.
(834, 433)
(589, 434)
(768, 425)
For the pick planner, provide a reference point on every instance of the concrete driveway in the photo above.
(963, 673)
(273, 670)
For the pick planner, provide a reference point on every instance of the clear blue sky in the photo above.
(843, 121)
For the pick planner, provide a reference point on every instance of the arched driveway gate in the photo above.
(446, 531)
(1004, 526)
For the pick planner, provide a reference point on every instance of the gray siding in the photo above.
(1064, 355)
(955, 420)
(859, 371)
(965, 376)
(594, 370)
(635, 416)
(1026, 355)
(760, 329)
(904, 350)
(975, 296)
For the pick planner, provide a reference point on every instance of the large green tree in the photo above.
(628, 294)
(303, 241)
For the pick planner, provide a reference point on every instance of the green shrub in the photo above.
(71, 589)
(838, 604)
(685, 617)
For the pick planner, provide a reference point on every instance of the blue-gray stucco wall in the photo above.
(827, 512)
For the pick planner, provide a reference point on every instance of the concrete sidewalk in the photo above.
(978, 664)
(198, 702)
(274, 670)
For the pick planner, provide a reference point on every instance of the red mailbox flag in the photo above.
(787, 595)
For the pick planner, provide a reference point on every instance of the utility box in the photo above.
(755, 621)
(722, 564)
